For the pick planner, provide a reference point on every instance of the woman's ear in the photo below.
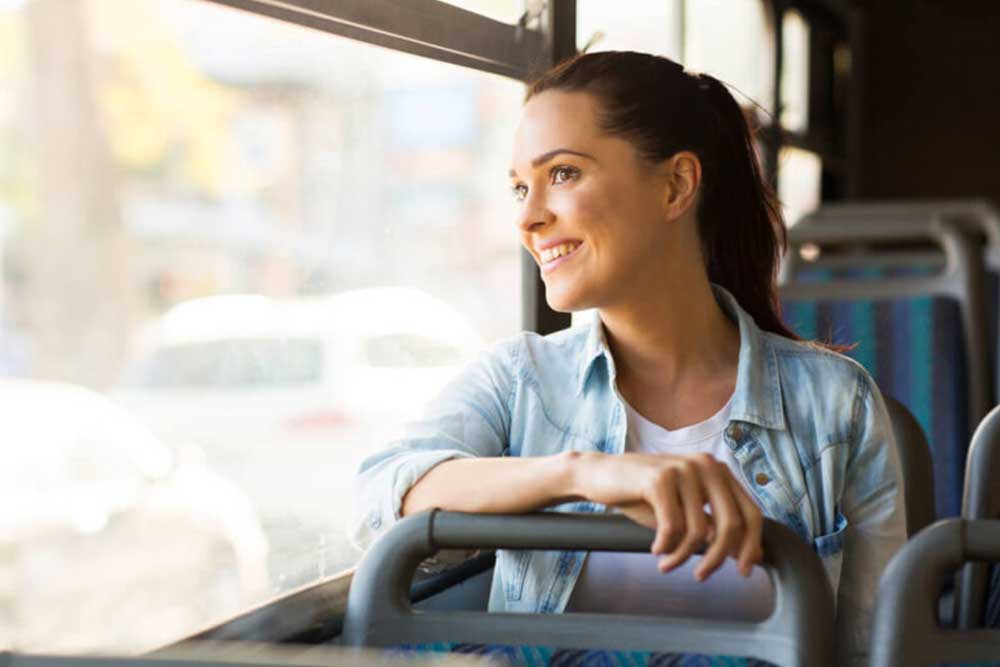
(683, 179)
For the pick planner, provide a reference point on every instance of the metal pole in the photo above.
(559, 29)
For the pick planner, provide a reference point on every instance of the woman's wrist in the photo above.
(571, 474)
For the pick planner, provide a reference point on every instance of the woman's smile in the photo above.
(555, 256)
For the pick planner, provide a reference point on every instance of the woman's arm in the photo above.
(469, 419)
(453, 459)
(664, 492)
(493, 485)
(873, 504)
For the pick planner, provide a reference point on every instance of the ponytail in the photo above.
(739, 218)
(662, 110)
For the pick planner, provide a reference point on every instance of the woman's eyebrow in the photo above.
(545, 157)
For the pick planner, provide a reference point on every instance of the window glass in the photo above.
(508, 11)
(800, 175)
(232, 363)
(253, 249)
(408, 351)
(795, 73)
(652, 26)
(733, 41)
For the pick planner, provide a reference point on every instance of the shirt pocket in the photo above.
(830, 548)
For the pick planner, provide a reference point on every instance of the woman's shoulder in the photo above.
(821, 376)
(551, 360)
(526, 346)
(816, 357)
(531, 350)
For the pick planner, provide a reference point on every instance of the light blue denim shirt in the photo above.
(808, 428)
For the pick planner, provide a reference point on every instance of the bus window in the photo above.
(652, 26)
(506, 11)
(733, 41)
(799, 179)
(259, 245)
(795, 73)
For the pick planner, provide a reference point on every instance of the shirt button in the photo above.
(736, 434)
(762, 479)
(375, 521)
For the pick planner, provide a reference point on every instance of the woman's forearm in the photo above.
(495, 485)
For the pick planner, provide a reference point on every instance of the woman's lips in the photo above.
(549, 267)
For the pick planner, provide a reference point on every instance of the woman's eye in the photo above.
(562, 174)
(520, 191)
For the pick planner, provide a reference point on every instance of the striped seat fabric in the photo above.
(540, 656)
(915, 350)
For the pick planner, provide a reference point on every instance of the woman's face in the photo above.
(591, 208)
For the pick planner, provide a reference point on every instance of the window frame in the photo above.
(832, 23)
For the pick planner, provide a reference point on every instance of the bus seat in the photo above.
(906, 632)
(917, 464)
(379, 613)
(919, 334)
(978, 595)
(976, 216)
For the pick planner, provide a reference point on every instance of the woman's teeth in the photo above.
(555, 252)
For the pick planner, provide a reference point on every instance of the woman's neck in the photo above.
(679, 340)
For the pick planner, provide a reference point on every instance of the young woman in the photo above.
(687, 405)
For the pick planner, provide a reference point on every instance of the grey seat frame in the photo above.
(981, 500)
(379, 613)
(906, 631)
(978, 216)
(917, 464)
(961, 279)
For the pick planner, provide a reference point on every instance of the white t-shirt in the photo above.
(629, 583)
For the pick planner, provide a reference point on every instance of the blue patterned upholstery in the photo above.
(540, 656)
(915, 350)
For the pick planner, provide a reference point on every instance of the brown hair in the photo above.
(661, 109)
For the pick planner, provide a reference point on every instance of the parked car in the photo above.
(108, 540)
(244, 369)
(298, 390)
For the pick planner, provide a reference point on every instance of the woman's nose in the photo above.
(534, 214)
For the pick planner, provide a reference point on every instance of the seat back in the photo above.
(906, 631)
(917, 464)
(920, 335)
(379, 613)
(978, 595)
(976, 216)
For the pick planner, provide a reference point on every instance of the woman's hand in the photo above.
(668, 494)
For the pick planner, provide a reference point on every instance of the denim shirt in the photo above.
(808, 428)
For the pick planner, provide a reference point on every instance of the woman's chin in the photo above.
(563, 301)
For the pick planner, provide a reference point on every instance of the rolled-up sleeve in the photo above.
(873, 504)
(469, 418)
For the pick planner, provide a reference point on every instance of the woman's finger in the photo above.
(726, 514)
(750, 551)
(662, 496)
(692, 501)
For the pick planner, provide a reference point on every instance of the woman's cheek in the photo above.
(585, 210)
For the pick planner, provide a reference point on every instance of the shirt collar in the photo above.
(757, 398)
